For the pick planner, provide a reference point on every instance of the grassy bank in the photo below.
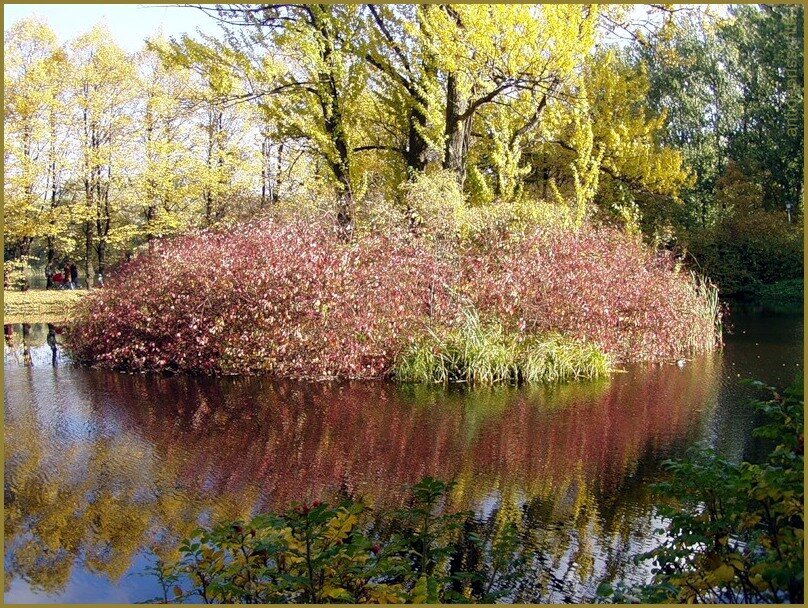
(36, 306)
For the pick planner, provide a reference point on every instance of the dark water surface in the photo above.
(105, 470)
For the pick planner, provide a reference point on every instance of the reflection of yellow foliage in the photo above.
(97, 499)
(551, 460)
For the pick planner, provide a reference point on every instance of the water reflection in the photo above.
(104, 468)
(101, 466)
(32, 345)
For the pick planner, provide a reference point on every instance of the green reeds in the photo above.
(483, 353)
(708, 334)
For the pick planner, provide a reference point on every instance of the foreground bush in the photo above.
(320, 553)
(480, 353)
(289, 298)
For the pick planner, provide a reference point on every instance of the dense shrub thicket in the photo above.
(291, 299)
(744, 252)
(600, 285)
(285, 298)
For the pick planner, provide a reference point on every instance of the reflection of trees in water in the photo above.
(31, 344)
(163, 452)
(96, 499)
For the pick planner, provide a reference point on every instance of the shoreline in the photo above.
(40, 305)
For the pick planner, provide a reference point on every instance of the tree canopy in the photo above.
(654, 118)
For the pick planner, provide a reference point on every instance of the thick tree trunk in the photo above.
(334, 127)
(345, 225)
(457, 132)
(345, 202)
(101, 252)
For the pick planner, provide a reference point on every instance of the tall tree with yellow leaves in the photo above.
(35, 138)
(104, 86)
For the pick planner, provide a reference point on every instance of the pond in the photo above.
(104, 471)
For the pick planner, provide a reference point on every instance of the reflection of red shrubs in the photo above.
(292, 441)
(292, 300)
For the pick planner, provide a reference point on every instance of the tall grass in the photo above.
(707, 308)
(483, 353)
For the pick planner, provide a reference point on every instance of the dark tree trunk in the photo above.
(276, 189)
(49, 264)
(332, 115)
(88, 254)
(416, 144)
(457, 132)
(101, 252)
(25, 251)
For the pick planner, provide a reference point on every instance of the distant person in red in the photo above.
(58, 279)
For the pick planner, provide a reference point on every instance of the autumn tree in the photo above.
(299, 51)
(166, 183)
(104, 87)
(35, 138)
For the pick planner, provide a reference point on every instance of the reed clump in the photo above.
(478, 352)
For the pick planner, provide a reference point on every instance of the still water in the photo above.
(105, 471)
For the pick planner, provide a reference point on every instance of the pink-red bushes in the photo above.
(290, 299)
(599, 285)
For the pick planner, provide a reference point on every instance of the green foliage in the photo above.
(783, 295)
(343, 110)
(747, 249)
(480, 193)
(734, 531)
(435, 204)
(342, 554)
(732, 90)
(483, 353)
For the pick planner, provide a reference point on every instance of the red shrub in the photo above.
(599, 285)
(290, 299)
(283, 298)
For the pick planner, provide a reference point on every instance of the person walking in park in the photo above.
(74, 276)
